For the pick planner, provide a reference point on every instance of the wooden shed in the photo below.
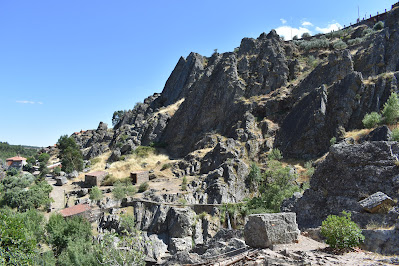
(139, 177)
(95, 178)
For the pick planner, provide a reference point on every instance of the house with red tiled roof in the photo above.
(76, 210)
(16, 162)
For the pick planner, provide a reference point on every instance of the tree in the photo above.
(70, 155)
(63, 231)
(390, 113)
(117, 117)
(44, 157)
(305, 35)
(17, 246)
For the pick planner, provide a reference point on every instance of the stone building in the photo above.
(95, 178)
(139, 177)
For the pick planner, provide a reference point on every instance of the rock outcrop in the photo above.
(349, 174)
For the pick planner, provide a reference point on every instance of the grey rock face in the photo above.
(180, 244)
(381, 241)
(346, 176)
(265, 230)
(115, 156)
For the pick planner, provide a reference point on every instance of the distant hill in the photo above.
(7, 150)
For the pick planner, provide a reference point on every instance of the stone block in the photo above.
(377, 203)
(265, 230)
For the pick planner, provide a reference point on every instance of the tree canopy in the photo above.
(70, 154)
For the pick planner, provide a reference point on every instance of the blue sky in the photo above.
(67, 65)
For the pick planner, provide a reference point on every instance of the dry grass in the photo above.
(357, 134)
(122, 169)
(170, 109)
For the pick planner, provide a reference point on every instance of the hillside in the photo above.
(7, 150)
(272, 126)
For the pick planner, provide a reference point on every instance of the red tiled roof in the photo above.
(16, 158)
(76, 209)
(97, 173)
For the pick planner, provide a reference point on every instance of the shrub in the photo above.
(166, 166)
(305, 35)
(57, 170)
(96, 193)
(339, 45)
(109, 180)
(143, 151)
(94, 161)
(275, 154)
(341, 231)
(371, 120)
(295, 37)
(254, 177)
(390, 113)
(367, 32)
(379, 25)
(395, 134)
(184, 184)
(355, 41)
(143, 187)
(333, 140)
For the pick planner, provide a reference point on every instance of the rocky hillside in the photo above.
(217, 114)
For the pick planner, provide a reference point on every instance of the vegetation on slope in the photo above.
(7, 150)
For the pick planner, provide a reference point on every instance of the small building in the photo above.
(139, 177)
(77, 210)
(16, 162)
(95, 178)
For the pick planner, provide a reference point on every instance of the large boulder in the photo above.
(382, 133)
(350, 173)
(265, 230)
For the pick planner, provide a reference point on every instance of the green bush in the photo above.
(390, 113)
(379, 25)
(275, 154)
(166, 166)
(254, 177)
(341, 232)
(144, 151)
(57, 170)
(395, 134)
(333, 140)
(143, 187)
(305, 35)
(96, 193)
(356, 41)
(339, 45)
(371, 120)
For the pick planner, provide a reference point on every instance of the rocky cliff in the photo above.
(268, 93)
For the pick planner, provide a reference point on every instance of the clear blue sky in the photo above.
(66, 65)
